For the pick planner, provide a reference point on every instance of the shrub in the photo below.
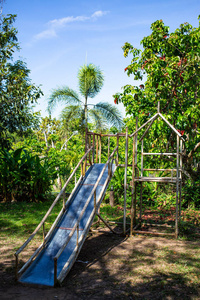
(24, 176)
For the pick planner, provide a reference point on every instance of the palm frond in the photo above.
(98, 119)
(90, 80)
(65, 95)
(111, 113)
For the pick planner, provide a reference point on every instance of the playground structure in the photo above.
(53, 259)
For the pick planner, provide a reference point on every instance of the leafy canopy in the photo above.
(168, 70)
(17, 93)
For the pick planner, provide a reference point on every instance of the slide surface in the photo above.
(41, 271)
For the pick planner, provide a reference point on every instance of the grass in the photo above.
(18, 221)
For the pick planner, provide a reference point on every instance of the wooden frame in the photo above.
(140, 179)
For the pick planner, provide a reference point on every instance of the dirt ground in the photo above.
(109, 267)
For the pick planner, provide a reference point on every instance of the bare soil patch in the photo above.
(115, 267)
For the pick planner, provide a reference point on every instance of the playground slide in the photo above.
(41, 271)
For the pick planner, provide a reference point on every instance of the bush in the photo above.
(24, 176)
(191, 192)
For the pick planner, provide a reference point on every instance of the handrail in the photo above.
(76, 225)
(51, 207)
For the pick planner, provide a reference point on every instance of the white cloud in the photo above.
(99, 13)
(55, 25)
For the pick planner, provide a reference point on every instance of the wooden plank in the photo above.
(156, 179)
(168, 170)
(164, 153)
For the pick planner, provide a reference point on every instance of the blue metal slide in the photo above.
(41, 271)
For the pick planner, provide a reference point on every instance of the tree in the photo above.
(90, 83)
(169, 70)
(17, 93)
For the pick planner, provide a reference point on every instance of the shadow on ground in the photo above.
(107, 268)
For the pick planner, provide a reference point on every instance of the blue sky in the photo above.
(57, 37)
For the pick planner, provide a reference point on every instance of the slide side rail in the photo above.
(109, 163)
(81, 163)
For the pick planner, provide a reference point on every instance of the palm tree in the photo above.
(90, 83)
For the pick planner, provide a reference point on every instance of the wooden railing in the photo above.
(81, 163)
(108, 164)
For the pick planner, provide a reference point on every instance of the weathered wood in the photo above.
(93, 147)
(168, 170)
(85, 206)
(134, 205)
(142, 157)
(118, 147)
(180, 176)
(158, 106)
(125, 181)
(52, 206)
(134, 133)
(95, 200)
(152, 233)
(158, 225)
(135, 184)
(132, 189)
(144, 134)
(112, 198)
(177, 187)
(100, 149)
(55, 270)
(108, 147)
(141, 190)
(106, 223)
(43, 229)
(97, 148)
(172, 127)
(16, 266)
(164, 154)
(156, 179)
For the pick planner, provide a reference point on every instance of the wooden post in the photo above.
(180, 185)
(93, 144)
(64, 199)
(141, 190)
(177, 187)
(117, 149)
(97, 148)
(142, 157)
(86, 139)
(125, 181)
(133, 186)
(100, 149)
(16, 267)
(95, 201)
(158, 106)
(108, 147)
(89, 148)
(77, 236)
(134, 204)
(43, 227)
(112, 197)
(55, 271)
